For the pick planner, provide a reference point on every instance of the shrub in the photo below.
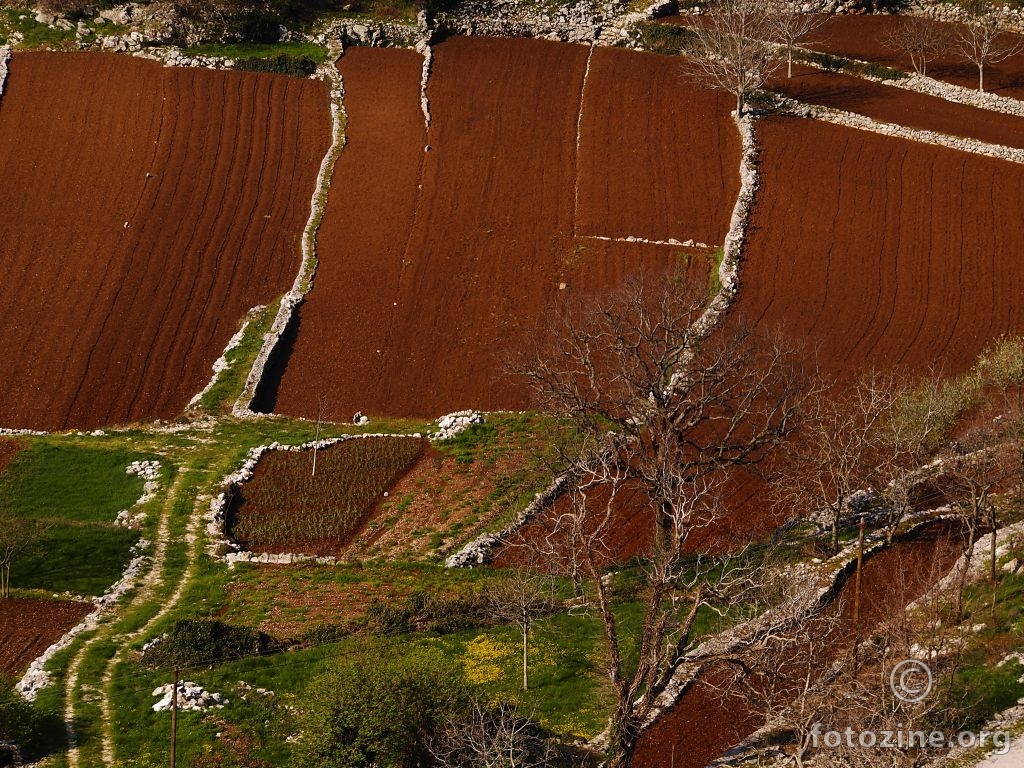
(379, 707)
(203, 641)
(427, 612)
(282, 64)
(22, 723)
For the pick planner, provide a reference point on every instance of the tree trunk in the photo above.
(834, 542)
(739, 105)
(526, 649)
(981, 77)
(789, 62)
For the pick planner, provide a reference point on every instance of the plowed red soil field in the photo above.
(860, 37)
(658, 157)
(707, 720)
(420, 297)
(896, 105)
(147, 210)
(881, 252)
(29, 626)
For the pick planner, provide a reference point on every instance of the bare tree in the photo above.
(983, 38)
(732, 49)
(789, 27)
(840, 449)
(918, 37)
(18, 535)
(663, 409)
(491, 737)
(521, 597)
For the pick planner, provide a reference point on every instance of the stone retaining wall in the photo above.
(304, 279)
(860, 122)
(5, 58)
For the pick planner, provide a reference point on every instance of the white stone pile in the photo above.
(5, 57)
(150, 472)
(454, 423)
(191, 696)
(423, 46)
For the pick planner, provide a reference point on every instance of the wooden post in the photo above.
(856, 587)
(174, 715)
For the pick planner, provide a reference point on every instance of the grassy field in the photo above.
(241, 51)
(75, 493)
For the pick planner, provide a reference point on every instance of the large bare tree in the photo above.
(663, 409)
(983, 38)
(733, 48)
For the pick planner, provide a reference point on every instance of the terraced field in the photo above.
(877, 252)
(155, 207)
(435, 265)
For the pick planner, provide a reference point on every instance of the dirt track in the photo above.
(658, 156)
(29, 626)
(896, 105)
(154, 207)
(877, 251)
(432, 305)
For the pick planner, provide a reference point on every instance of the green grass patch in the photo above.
(35, 35)
(83, 560)
(69, 483)
(242, 51)
(220, 398)
(714, 273)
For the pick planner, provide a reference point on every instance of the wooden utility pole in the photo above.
(174, 715)
(856, 588)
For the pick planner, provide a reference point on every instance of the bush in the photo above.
(193, 642)
(282, 64)
(23, 724)
(426, 612)
(379, 708)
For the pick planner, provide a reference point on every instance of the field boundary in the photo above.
(216, 517)
(928, 86)
(428, 64)
(37, 678)
(861, 122)
(5, 60)
(155, 575)
(481, 549)
(307, 269)
(579, 141)
(803, 606)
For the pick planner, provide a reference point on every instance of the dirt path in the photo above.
(153, 577)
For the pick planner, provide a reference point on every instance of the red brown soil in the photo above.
(896, 105)
(658, 156)
(860, 37)
(29, 626)
(705, 722)
(148, 210)
(420, 297)
(8, 450)
(880, 252)
(285, 507)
